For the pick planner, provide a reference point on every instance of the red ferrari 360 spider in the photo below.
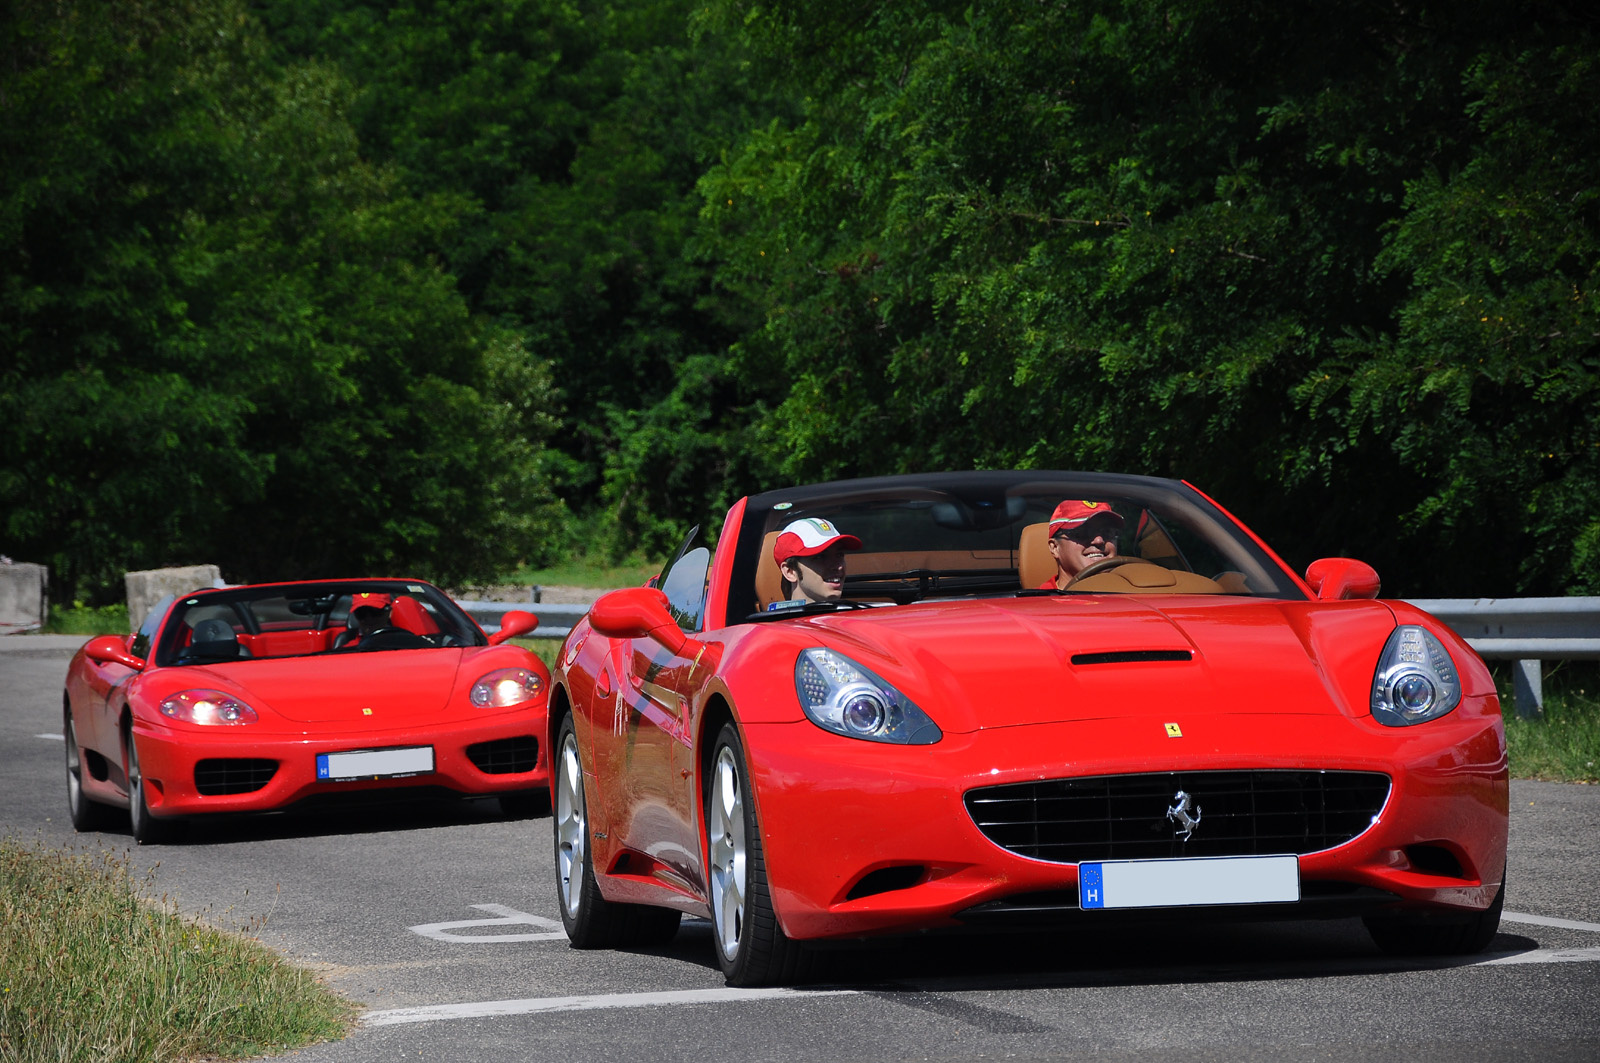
(919, 702)
(245, 699)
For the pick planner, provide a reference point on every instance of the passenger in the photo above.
(1081, 533)
(810, 555)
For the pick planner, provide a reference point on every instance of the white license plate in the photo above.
(1181, 883)
(374, 764)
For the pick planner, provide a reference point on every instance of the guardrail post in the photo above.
(1528, 688)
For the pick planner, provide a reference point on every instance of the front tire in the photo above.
(147, 829)
(1422, 935)
(752, 948)
(591, 921)
(87, 813)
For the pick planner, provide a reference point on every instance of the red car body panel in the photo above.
(1271, 684)
(305, 705)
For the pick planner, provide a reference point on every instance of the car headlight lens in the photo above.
(211, 707)
(849, 699)
(506, 687)
(1416, 680)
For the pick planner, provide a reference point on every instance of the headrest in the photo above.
(213, 630)
(409, 614)
(769, 581)
(1035, 564)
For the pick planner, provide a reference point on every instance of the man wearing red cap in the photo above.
(810, 554)
(1081, 533)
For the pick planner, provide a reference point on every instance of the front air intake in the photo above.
(1225, 813)
(505, 756)
(232, 775)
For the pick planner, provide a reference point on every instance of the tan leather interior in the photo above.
(769, 581)
(1145, 577)
(1035, 563)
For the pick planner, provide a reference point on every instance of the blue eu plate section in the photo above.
(1091, 886)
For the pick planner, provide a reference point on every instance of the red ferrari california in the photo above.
(248, 699)
(910, 703)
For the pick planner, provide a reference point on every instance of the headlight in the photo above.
(208, 707)
(506, 687)
(1416, 680)
(846, 698)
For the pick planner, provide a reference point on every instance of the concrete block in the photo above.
(24, 596)
(147, 588)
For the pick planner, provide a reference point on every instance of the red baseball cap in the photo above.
(809, 536)
(366, 600)
(1074, 514)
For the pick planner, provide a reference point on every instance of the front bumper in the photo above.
(168, 758)
(864, 839)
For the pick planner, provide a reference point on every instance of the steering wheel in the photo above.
(392, 638)
(1105, 564)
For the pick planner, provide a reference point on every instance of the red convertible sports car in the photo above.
(910, 703)
(246, 699)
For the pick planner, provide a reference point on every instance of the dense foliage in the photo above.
(316, 285)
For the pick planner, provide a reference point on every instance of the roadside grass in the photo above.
(545, 649)
(92, 969)
(580, 571)
(80, 619)
(1563, 744)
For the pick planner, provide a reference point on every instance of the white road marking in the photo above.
(549, 929)
(53, 738)
(539, 1005)
(1543, 956)
(1545, 920)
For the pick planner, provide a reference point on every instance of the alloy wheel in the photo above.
(725, 828)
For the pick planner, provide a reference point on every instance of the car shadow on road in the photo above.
(376, 815)
(1098, 957)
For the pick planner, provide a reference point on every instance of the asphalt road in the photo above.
(442, 921)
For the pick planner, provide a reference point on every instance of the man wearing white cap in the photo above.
(810, 554)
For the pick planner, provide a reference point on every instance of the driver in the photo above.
(370, 613)
(1081, 533)
(810, 555)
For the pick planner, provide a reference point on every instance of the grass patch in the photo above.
(80, 619)
(1562, 745)
(583, 572)
(92, 969)
(545, 649)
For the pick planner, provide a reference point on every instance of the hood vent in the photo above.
(1132, 656)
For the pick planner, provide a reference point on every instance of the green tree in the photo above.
(1195, 239)
(223, 336)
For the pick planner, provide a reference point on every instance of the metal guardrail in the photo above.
(1527, 631)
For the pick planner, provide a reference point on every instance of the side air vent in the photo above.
(1131, 656)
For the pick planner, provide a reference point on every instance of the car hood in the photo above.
(393, 687)
(1007, 662)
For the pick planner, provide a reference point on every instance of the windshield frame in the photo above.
(1169, 495)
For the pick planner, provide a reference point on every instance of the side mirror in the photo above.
(641, 613)
(111, 649)
(514, 623)
(1339, 578)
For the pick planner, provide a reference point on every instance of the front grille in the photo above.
(1124, 817)
(232, 775)
(505, 756)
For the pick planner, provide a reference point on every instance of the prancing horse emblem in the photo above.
(1179, 815)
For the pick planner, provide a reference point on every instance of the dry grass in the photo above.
(92, 969)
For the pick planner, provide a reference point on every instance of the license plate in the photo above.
(1181, 883)
(374, 764)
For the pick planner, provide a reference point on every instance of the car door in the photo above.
(657, 734)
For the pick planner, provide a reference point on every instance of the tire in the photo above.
(1425, 935)
(525, 804)
(591, 921)
(147, 828)
(752, 948)
(87, 813)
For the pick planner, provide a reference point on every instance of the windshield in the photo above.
(297, 620)
(995, 534)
